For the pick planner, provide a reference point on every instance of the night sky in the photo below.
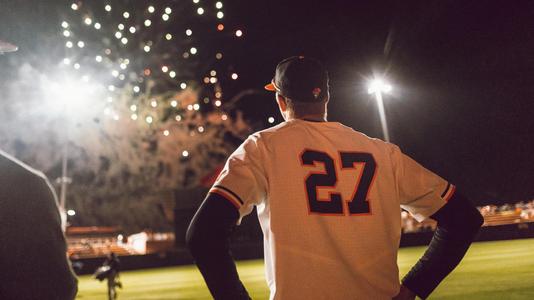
(462, 72)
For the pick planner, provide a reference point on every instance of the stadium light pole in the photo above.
(378, 86)
(64, 180)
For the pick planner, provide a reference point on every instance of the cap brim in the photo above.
(270, 87)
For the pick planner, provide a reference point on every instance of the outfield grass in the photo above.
(491, 270)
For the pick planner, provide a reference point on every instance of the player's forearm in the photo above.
(219, 272)
(208, 240)
(443, 254)
(458, 224)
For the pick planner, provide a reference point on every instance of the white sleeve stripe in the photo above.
(230, 192)
(226, 196)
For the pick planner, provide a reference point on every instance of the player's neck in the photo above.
(310, 117)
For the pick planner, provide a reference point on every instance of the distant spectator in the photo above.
(110, 271)
(33, 254)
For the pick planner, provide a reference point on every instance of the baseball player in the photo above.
(328, 200)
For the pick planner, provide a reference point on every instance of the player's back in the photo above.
(331, 217)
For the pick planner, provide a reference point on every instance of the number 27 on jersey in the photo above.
(359, 204)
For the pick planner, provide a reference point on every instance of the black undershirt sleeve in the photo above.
(458, 224)
(208, 240)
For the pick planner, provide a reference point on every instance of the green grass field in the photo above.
(491, 270)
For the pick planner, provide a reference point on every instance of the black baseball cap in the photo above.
(301, 79)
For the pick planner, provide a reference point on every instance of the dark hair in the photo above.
(304, 108)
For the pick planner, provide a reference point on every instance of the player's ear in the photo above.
(281, 102)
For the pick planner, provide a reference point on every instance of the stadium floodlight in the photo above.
(68, 96)
(378, 86)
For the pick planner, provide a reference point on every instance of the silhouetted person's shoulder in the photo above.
(14, 170)
(33, 261)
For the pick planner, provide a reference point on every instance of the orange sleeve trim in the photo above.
(448, 194)
(226, 196)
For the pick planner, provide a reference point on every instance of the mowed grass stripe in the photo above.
(491, 270)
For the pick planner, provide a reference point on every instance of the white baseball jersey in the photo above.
(328, 200)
